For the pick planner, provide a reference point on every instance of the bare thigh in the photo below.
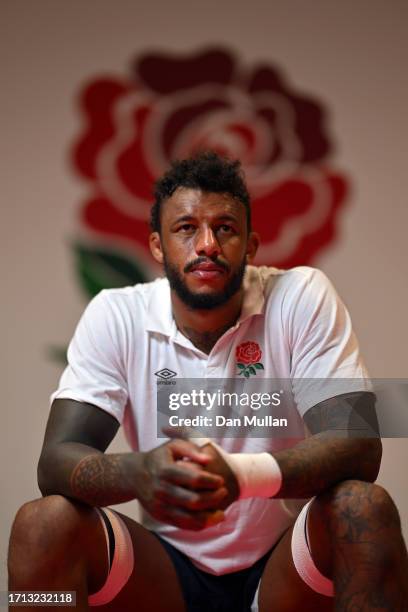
(282, 589)
(153, 585)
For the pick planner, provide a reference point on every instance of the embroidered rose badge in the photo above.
(248, 355)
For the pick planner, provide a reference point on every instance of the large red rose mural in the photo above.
(170, 106)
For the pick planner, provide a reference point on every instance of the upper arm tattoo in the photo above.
(349, 415)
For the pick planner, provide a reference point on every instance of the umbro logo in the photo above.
(165, 374)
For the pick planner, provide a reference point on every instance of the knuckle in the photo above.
(165, 472)
(194, 502)
(203, 478)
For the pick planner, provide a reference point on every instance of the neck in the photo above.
(205, 327)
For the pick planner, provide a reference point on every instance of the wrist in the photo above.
(258, 474)
(135, 474)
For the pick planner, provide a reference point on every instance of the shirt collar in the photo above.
(160, 317)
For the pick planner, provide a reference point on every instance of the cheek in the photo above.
(179, 252)
(235, 249)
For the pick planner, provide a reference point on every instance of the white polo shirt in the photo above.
(125, 336)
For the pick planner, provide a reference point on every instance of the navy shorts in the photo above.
(204, 592)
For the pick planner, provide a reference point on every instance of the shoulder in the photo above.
(135, 300)
(301, 277)
(292, 284)
(124, 311)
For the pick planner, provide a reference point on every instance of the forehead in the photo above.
(197, 203)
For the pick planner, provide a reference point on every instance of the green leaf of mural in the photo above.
(99, 269)
(241, 366)
(58, 354)
(246, 374)
(259, 366)
(252, 369)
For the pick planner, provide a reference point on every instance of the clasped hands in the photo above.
(185, 485)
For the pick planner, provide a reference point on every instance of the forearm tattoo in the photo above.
(98, 480)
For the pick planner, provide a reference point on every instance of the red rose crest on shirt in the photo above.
(248, 355)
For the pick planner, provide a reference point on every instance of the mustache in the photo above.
(201, 260)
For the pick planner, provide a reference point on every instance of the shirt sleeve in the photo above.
(325, 355)
(95, 372)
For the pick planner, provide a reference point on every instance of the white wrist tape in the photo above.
(258, 474)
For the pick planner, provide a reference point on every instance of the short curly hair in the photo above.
(207, 171)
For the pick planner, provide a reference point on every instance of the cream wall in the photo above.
(350, 54)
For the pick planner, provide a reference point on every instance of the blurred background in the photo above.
(98, 96)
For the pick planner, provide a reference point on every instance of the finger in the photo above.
(186, 433)
(183, 433)
(191, 477)
(191, 500)
(185, 448)
(190, 465)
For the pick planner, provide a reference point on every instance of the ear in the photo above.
(252, 246)
(156, 246)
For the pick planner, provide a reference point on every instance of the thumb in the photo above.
(186, 433)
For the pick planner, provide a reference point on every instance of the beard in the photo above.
(203, 301)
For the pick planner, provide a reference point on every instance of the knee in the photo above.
(354, 507)
(365, 499)
(41, 529)
(361, 520)
(41, 521)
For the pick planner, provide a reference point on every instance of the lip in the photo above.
(207, 267)
(207, 271)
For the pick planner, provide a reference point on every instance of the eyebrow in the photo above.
(183, 218)
(227, 217)
(223, 217)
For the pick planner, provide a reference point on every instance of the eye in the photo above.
(186, 227)
(226, 229)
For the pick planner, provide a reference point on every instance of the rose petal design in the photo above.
(312, 242)
(166, 74)
(132, 166)
(309, 126)
(265, 78)
(101, 215)
(309, 115)
(177, 122)
(248, 352)
(96, 102)
(288, 199)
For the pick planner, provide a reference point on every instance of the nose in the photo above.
(207, 243)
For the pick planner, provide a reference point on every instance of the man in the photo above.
(218, 533)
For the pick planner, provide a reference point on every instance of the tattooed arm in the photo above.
(73, 464)
(344, 445)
